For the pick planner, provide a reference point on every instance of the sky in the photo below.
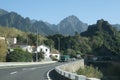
(53, 11)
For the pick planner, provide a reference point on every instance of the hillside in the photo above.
(20, 35)
(10, 32)
(104, 39)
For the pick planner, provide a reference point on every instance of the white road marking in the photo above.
(14, 72)
(33, 68)
(48, 74)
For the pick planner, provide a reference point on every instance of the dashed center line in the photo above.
(33, 68)
(14, 72)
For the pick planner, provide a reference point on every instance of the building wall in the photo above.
(44, 49)
(56, 55)
(27, 48)
(2, 38)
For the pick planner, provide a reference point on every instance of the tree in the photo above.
(70, 52)
(32, 39)
(41, 56)
(18, 55)
(21, 39)
(49, 42)
(3, 50)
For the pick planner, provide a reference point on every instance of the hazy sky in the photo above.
(54, 11)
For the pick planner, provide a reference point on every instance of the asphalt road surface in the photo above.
(36, 72)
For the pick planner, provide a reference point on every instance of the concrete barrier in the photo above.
(68, 70)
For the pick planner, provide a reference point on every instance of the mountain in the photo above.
(2, 12)
(117, 26)
(42, 28)
(70, 25)
(15, 20)
(67, 26)
(12, 19)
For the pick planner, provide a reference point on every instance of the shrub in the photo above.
(90, 71)
(3, 50)
(19, 55)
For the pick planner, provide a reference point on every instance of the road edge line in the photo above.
(48, 77)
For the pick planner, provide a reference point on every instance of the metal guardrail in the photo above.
(70, 75)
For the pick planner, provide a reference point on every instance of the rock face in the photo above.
(70, 25)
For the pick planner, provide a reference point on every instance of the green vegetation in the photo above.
(100, 39)
(90, 71)
(19, 55)
(22, 37)
(10, 32)
(3, 50)
(41, 56)
(103, 38)
(71, 45)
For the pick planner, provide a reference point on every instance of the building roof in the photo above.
(54, 51)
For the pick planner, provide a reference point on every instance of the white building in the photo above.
(12, 41)
(26, 48)
(45, 49)
(55, 53)
(2, 38)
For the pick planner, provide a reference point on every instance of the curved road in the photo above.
(36, 72)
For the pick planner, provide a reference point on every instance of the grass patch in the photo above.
(90, 71)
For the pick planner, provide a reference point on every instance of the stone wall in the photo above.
(74, 66)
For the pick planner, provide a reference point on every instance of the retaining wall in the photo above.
(68, 70)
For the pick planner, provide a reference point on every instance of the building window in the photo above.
(40, 50)
(46, 49)
(56, 56)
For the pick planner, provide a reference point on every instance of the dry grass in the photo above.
(90, 71)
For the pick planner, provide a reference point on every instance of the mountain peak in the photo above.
(70, 25)
(72, 17)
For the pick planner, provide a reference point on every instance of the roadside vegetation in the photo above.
(90, 72)
(3, 51)
(18, 55)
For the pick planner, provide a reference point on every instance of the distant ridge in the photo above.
(68, 26)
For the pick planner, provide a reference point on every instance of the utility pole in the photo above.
(37, 47)
(59, 44)
(27, 38)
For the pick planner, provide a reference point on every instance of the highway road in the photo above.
(36, 72)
